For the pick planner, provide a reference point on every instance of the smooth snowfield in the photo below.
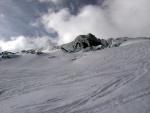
(113, 80)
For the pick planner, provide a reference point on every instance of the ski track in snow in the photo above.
(92, 82)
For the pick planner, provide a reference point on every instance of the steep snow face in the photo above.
(112, 80)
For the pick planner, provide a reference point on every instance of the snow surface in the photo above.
(112, 80)
(132, 41)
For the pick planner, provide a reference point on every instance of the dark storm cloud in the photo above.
(75, 5)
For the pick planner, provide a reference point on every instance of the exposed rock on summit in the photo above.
(83, 42)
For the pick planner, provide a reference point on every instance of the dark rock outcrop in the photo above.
(84, 42)
(7, 54)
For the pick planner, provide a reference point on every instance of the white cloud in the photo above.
(2, 16)
(114, 18)
(131, 16)
(21, 42)
(54, 1)
(34, 24)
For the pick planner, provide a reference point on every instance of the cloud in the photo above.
(113, 18)
(2, 18)
(54, 1)
(34, 24)
(20, 43)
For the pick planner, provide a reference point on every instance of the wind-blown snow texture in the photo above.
(112, 80)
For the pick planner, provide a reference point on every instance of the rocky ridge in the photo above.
(85, 43)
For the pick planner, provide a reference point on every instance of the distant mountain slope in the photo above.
(111, 80)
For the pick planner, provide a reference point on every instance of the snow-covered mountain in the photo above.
(110, 80)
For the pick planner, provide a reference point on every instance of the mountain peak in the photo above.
(83, 42)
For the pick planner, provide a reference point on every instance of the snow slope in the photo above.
(112, 80)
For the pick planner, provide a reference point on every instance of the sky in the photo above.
(26, 24)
